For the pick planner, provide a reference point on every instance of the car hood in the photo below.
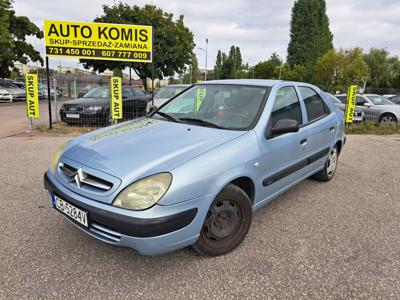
(15, 91)
(88, 101)
(136, 149)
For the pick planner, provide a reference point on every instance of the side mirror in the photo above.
(281, 127)
(367, 104)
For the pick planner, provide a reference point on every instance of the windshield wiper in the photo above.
(167, 116)
(201, 122)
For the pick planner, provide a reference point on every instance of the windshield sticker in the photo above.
(124, 128)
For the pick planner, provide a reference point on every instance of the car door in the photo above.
(369, 110)
(322, 125)
(128, 104)
(282, 157)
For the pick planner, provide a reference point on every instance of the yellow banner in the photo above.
(98, 40)
(351, 103)
(116, 98)
(200, 95)
(32, 96)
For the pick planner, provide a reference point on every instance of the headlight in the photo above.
(144, 193)
(94, 108)
(56, 157)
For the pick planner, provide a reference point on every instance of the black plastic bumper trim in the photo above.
(128, 225)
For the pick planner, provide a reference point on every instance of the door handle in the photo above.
(303, 142)
(332, 129)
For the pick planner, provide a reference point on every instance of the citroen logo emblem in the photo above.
(79, 177)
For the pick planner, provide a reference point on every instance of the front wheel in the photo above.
(227, 222)
(330, 166)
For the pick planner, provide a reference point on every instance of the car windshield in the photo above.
(379, 100)
(5, 84)
(169, 91)
(232, 107)
(98, 92)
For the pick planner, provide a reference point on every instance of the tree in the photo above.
(118, 72)
(229, 66)
(13, 45)
(192, 73)
(292, 73)
(173, 41)
(310, 36)
(383, 69)
(337, 69)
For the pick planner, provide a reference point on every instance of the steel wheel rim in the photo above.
(332, 162)
(388, 119)
(222, 224)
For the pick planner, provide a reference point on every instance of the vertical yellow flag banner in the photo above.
(200, 95)
(351, 103)
(116, 98)
(32, 96)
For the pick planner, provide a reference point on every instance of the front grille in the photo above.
(81, 179)
(73, 108)
(105, 233)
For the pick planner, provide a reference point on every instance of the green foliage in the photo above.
(192, 73)
(372, 128)
(384, 70)
(269, 69)
(13, 32)
(310, 36)
(229, 66)
(339, 68)
(118, 72)
(293, 73)
(173, 41)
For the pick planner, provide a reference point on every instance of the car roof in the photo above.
(255, 82)
(177, 85)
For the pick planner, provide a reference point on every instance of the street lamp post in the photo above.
(205, 50)
(205, 73)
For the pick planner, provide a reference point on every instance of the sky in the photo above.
(258, 27)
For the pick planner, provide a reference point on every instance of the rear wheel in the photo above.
(329, 169)
(388, 119)
(227, 222)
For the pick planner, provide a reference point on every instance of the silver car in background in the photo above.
(9, 92)
(166, 93)
(377, 109)
(359, 115)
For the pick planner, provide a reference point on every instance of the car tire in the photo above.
(227, 222)
(330, 166)
(388, 119)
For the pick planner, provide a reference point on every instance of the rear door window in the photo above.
(316, 107)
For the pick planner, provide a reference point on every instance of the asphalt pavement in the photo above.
(335, 240)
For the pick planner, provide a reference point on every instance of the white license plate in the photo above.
(72, 116)
(71, 211)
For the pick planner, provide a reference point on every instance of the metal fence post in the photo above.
(55, 99)
(75, 91)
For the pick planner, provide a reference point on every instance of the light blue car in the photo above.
(194, 171)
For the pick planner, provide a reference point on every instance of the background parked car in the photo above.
(44, 91)
(9, 92)
(395, 99)
(376, 108)
(166, 93)
(94, 107)
(359, 115)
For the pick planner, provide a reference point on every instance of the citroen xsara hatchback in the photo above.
(193, 171)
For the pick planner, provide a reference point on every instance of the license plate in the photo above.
(72, 116)
(71, 211)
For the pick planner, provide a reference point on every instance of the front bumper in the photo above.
(86, 118)
(169, 228)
